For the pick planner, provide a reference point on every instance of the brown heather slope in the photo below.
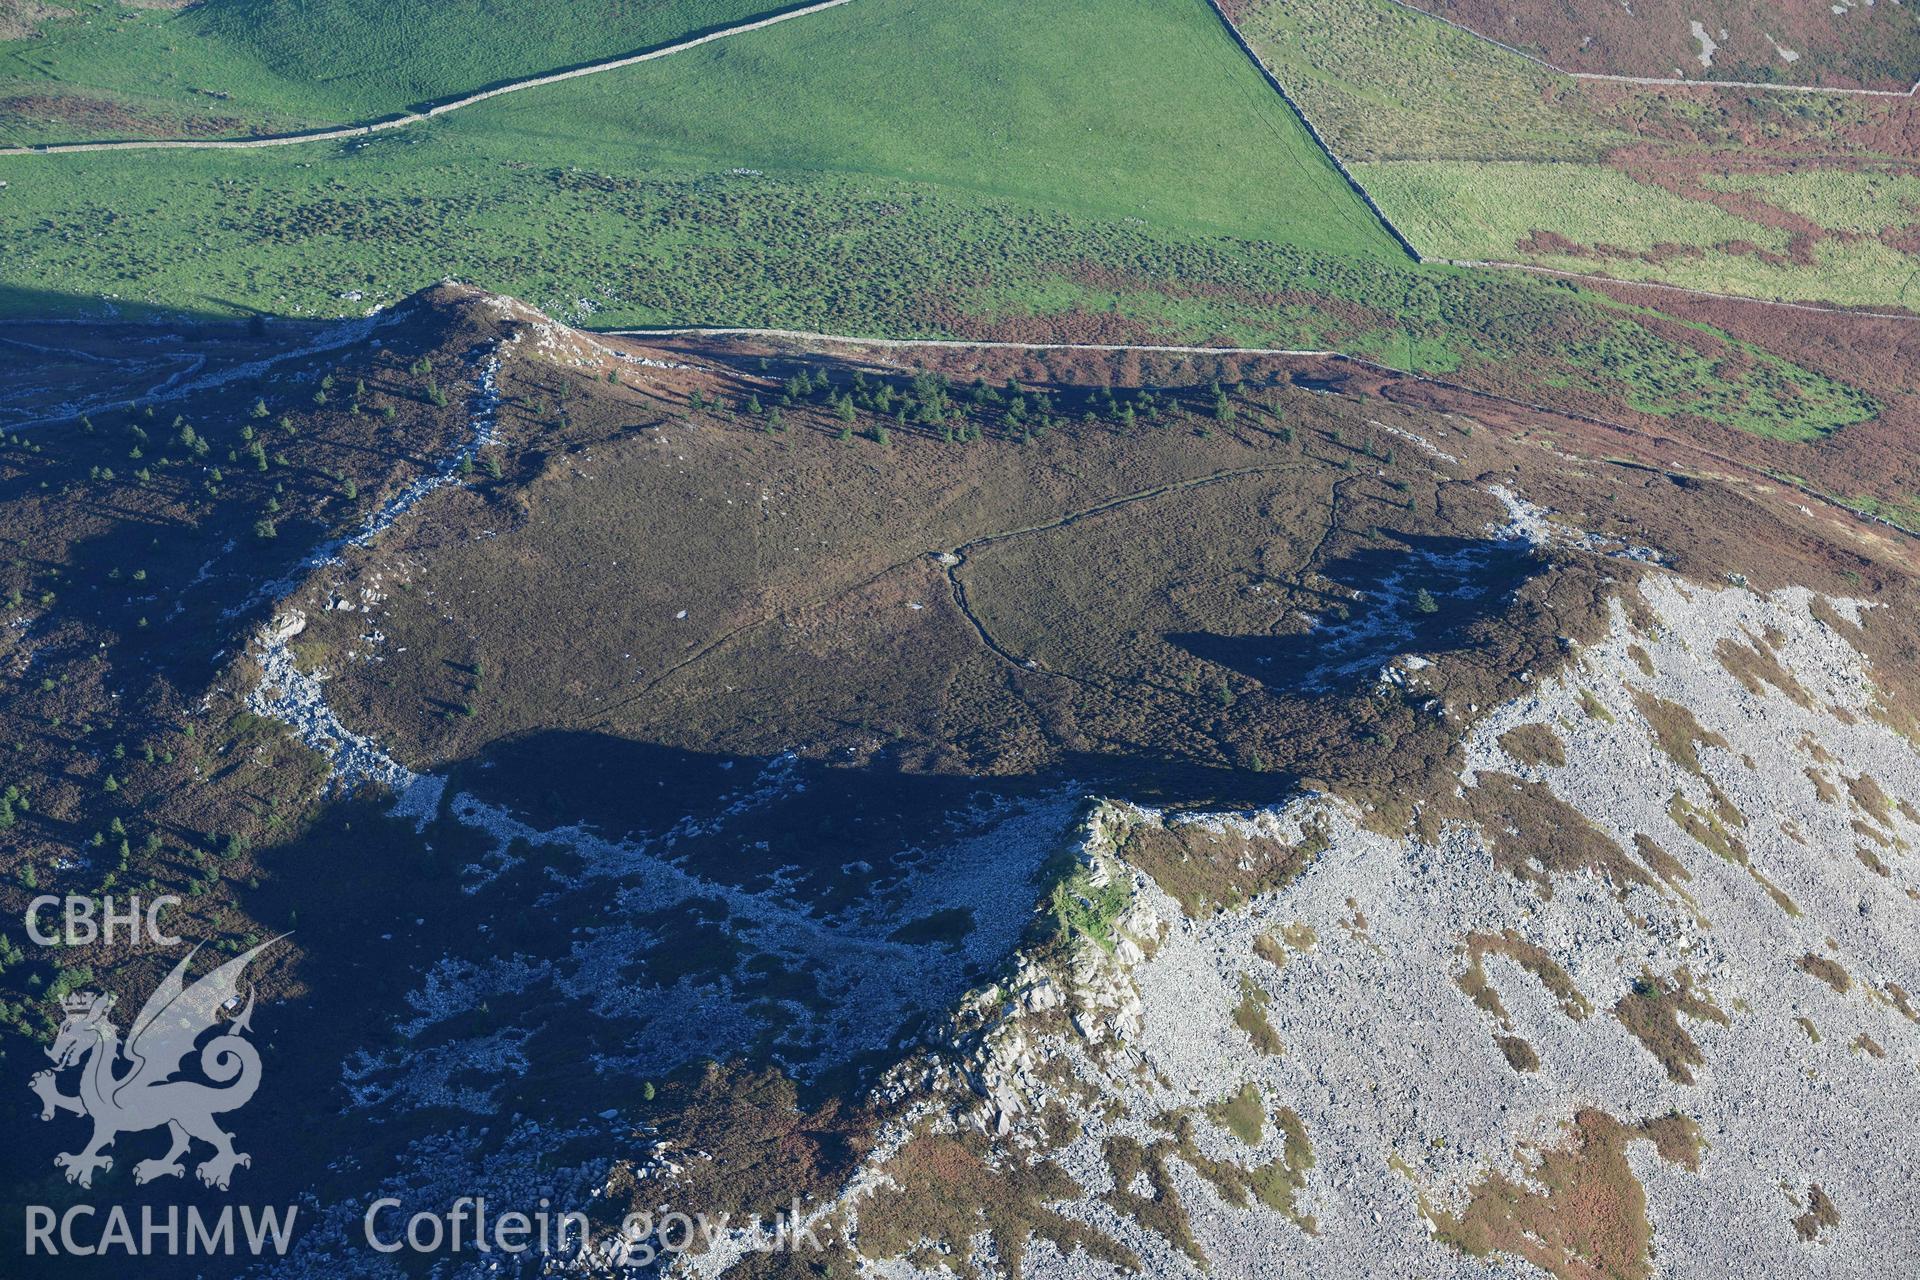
(1134, 585)
(731, 764)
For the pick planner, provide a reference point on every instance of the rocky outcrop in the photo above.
(1731, 753)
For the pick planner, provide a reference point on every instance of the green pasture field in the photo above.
(1038, 178)
(269, 65)
(1118, 108)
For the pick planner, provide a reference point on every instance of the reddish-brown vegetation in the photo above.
(1580, 1214)
(1860, 48)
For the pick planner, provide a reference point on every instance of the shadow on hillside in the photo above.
(23, 305)
(460, 1013)
(1420, 597)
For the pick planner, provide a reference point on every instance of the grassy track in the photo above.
(980, 100)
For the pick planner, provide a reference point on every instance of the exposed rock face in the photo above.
(1685, 989)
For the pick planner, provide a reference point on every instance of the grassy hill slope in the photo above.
(235, 67)
(1057, 104)
(971, 102)
(891, 167)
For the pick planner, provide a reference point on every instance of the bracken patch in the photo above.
(1529, 957)
(1535, 835)
(1679, 734)
(1756, 666)
(1207, 869)
(1821, 1215)
(946, 1189)
(1579, 1214)
(1534, 744)
(1828, 971)
(1250, 1015)
(1651, 1012)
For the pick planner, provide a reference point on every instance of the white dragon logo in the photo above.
(174, 1017)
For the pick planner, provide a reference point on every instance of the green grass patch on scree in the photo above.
(235, 67)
